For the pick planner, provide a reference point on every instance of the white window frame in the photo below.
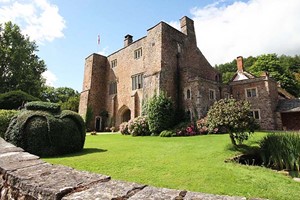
(137, 81)
(138, 53)
(253, 111)
(251, 92)
(226, 95)
(114, 63)
(214, 94)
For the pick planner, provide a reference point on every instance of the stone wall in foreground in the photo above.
(25, 176)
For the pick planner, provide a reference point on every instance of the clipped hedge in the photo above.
(47, 131)
(15, 99)
(5, 117)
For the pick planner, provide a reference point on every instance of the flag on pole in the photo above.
(98, 40)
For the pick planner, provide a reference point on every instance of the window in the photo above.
(251, 92)
(113, 88)
(188, 94)
(113, 63)
(137, 81)
(138, 53)
(212, 95)
(226, 95)
(255, 114)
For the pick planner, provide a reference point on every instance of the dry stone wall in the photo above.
(25, 176)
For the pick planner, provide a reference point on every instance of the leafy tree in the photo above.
(271, 63)
(20, 67)
(71, 104)
(233, 115)
(67, 97)
(160, 112)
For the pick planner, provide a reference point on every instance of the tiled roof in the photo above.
(288, 105)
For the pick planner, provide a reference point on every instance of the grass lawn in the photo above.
(186, 163)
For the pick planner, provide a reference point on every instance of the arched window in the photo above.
(188, 94)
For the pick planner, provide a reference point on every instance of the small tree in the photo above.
(233, 115)
(160, 113)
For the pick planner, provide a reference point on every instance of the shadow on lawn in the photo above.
(84, 151)
(250, 155)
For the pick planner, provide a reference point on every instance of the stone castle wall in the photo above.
(25, 176)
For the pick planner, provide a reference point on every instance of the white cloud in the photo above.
(247, 28)
(37, 18)
(104, 51)
(175, 24)
(50, 78)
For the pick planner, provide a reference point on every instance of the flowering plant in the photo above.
(202, 125)
(139, 126)
(124, 128)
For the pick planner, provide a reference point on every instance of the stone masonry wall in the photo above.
(265, 101)
(25, 176)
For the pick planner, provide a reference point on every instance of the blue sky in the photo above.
(66, 30)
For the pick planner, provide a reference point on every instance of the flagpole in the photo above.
(98, 43)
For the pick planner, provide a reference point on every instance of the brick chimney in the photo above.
(240, 64)
(127, 40)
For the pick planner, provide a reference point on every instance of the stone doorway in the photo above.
(126, 116)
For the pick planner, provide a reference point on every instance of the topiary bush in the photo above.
(281, 151)
(139, 126)
(5, 117)
(43, 129)
(160, 112)
(15, 99)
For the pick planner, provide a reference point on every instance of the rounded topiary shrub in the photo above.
(15, 99)
(43, 129)
(5, 117)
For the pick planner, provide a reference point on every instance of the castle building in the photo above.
(168, 60)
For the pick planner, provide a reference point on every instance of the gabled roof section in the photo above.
(284, 94)
(288, 105)
(238, 76)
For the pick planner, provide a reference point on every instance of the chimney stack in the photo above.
(127, 40)
(240, 64)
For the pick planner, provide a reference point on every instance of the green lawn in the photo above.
(186, 163)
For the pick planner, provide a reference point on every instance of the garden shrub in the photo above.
(139, 126)
(123, 128)
(281, 151)
(160, 112)
(202, 125)
(167, 133)
(186, 129)
(5, 117)
(48, 131)
(233, 116)
(15, 99)
(44, 106)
